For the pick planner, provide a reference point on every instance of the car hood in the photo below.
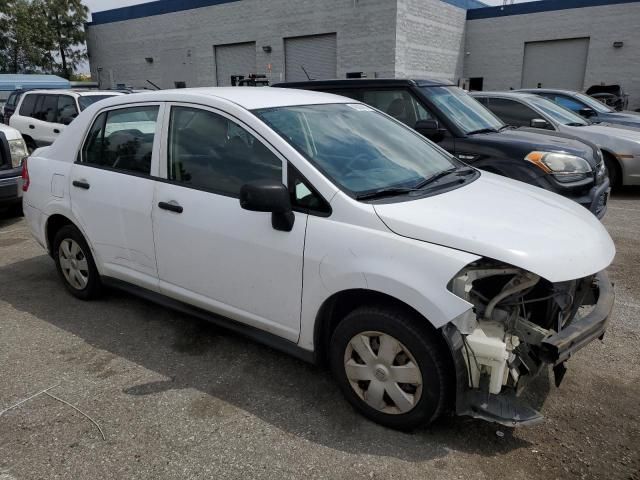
(626, 117)
(612, 137)
(511, 222)
(10, 132)
(528, 140)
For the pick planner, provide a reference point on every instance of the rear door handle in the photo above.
(81, 184)
(172, 207)
(55, 130)
(31, 127)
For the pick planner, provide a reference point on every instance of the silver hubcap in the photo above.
(73, 263)
(383, 373)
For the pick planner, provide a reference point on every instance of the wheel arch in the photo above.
(341, 303)
(608, 155)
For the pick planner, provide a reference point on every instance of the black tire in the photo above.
(93, 286)
(612, 171)
(412, 332)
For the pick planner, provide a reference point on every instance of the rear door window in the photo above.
(47, 108)
(122, 139)
(66, 110)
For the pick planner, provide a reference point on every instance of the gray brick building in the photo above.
(556, 43)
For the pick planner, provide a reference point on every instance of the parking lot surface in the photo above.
(178, 398)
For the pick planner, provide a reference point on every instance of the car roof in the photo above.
(249, 98)
(546, 90)
(367, 82)
(80, 93)
(509, 94)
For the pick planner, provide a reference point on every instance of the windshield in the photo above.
(357, 147)
(462, 109)
(557, 112)
(593, 103)
(87, 100)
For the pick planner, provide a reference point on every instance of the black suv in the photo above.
(461, 125)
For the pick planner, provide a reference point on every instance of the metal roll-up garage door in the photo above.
(316, 53)
(555, 63)
(234, 59)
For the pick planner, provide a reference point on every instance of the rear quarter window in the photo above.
(28, 105)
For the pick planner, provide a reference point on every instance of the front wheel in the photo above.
(75, 264)
(389, 366)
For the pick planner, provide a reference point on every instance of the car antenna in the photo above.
(154, 85)
(305, 72)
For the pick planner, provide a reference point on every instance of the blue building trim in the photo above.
(537, 7)
(159, 7)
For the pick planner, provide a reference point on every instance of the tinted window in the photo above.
(567, 102)
(399, 104)
(122, 139)
(46, 108)
(67, 109)
(87, 100)
(208, 151)
(28, 105)
(512, 112)
(11, 101)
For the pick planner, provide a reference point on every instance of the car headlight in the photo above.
(564, 167)
(18, 151)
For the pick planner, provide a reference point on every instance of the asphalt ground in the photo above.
(179, 398)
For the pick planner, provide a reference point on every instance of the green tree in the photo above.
(21, 46)
(64, 33)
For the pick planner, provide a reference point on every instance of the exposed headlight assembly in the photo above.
(18, 152)
(564, 167)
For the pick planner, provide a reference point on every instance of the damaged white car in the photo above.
(323, 227)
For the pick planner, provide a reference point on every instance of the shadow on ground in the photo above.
(293, 396)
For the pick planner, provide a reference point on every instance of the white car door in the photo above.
(43, 122)
(112, 188)
(211, 253)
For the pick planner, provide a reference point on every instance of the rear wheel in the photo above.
(389, 366)
(75, 263)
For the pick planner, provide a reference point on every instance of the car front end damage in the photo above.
(519, 326)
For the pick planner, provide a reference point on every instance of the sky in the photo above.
(98, 5)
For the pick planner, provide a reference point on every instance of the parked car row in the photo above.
(336, 232)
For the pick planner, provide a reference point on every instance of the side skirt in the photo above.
(260, 336)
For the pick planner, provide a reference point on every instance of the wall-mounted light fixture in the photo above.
(148, 59)
(618, 44)
(267, 49)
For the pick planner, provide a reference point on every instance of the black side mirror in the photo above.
(430, 129)
(539, 123)
(587, 112)
(269, 196)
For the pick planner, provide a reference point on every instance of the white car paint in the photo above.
(216, 256)
(10, 132)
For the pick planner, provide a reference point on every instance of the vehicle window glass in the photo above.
(357, 147)
(48, 109)
(349, 93)
(557, 112)
(122, 139)
(512, 112)
(568, 103)
(399, 104)
(303, 195)
(11, 101)
(87, 100)
(67, 109)
(28, 105)
(210, 152)
(462, 109)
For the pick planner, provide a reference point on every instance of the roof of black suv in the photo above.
(367, 82)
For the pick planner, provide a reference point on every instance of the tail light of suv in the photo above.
(25, 175)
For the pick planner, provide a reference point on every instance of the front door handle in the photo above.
(31, 127)
(55, 130)
(172, 207)
(81, 184)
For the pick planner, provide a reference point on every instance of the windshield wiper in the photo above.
(507, 126)
(385, 192)
(576, 124)
(482, 130)
(438, 176)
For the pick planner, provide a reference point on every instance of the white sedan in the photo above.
(333, 232)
